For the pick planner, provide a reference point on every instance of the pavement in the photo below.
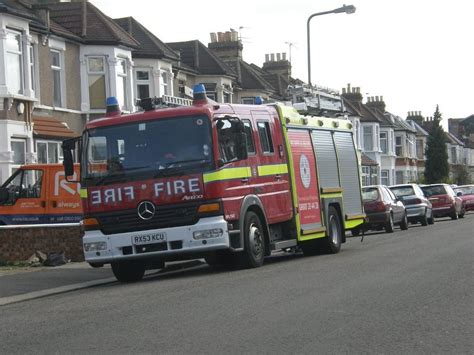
(22, 284)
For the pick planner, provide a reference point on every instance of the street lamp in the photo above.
(348, 9)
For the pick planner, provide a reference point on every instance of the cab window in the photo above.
(265, 137)
(249, 134)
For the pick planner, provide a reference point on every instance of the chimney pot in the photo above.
(213, 37)
(284, 55)
(278, 57)
(220, 36)
(348, 87)
(273, 57)
(376, 99)
(381, 98)
(343, 90)
(267, 58)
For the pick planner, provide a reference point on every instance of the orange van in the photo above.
(39, 193)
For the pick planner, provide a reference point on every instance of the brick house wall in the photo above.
(18, 244)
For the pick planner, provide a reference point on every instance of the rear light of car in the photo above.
(376, 206)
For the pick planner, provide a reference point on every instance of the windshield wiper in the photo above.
(178, 167)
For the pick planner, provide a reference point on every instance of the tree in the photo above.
(437, 167)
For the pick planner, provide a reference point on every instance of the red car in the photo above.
(466, 194)
(444, 200)
(383, 210)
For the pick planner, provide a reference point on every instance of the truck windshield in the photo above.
(147, 149)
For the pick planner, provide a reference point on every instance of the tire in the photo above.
(128, 271)
(254, 242)
(96, 265)
(424, 219)
(463, 212)
(404, 223)
(389, 225)
(454, 215)
(431, 219)
(332, 243)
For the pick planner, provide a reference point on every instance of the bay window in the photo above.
(14, 61)
(96, 71)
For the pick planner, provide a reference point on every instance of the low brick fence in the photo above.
(18, 243)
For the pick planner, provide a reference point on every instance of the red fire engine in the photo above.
(230, 183)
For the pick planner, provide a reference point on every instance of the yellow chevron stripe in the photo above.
(274, 169)
(83, 193)
(227, 174)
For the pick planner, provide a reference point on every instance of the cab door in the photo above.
(26, 197)
(272, 184)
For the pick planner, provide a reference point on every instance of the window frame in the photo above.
(123, 78)
(385, 139)
(399, 146)
(141, 82)
(103, 73)
(252, 140)
(60, 70)
(367, 135)
(18, 140)
(48, 143)
(20, 56)
(268, 134)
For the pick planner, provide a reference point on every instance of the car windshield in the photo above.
(434, 190)
(149, 147)
(401, 191)
(465, 190)
(370, 194)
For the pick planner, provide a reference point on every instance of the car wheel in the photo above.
(463, 212)
(454, 215)
(128, 271)
(404, 222)
(424, 219)
(389, 225)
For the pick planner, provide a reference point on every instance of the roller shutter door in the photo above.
(326, 159)
(349, 171)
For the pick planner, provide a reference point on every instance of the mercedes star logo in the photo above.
(146, 210)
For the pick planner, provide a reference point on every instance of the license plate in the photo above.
(152, 238)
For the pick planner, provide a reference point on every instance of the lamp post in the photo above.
(348, 9)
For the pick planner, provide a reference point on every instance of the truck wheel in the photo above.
(254, 242)
(128, 271)
(404, 223)
(332, 242)
(389, 225)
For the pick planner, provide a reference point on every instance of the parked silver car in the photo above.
(418, 207)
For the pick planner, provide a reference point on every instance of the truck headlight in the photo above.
(208, 233)
(95, 246)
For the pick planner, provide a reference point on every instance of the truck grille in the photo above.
(165, 216)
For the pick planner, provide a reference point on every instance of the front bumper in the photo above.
(179, 240)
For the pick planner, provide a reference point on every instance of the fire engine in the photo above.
(227, 182)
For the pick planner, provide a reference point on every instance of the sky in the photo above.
(415, 53)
